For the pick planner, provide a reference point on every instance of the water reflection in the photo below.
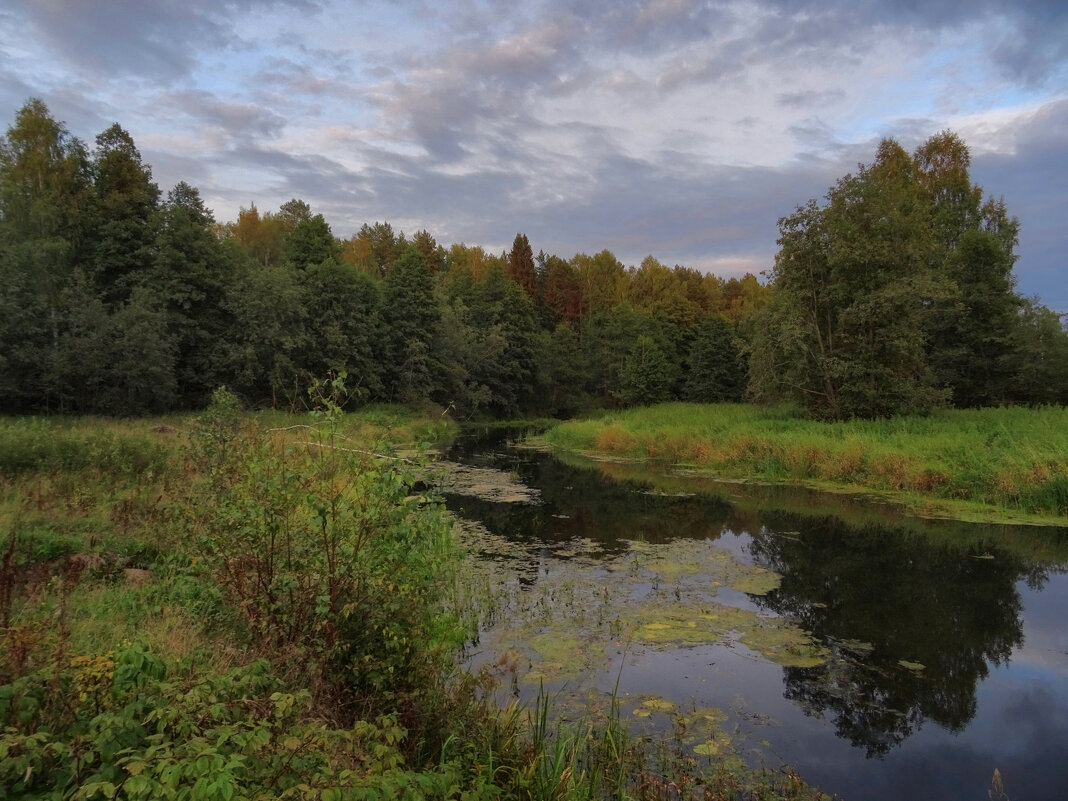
(955, 611)
(916, 614)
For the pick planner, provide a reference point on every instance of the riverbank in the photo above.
(993, 465)
(261, 605)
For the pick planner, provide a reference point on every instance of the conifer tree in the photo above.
(411, 318)
(716, 371)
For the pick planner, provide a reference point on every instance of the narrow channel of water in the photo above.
(880, 655)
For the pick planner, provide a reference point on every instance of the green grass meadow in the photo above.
(1013, 459)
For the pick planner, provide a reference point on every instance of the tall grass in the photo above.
(54, 445)
(1012, 458)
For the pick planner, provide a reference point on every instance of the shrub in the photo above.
(332, 562)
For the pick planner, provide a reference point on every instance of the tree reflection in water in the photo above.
(885, 601)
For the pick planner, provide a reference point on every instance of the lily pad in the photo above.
(913, 666)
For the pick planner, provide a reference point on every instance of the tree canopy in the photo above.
(895, 295)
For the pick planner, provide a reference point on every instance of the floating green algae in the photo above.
(574, 609)
(699, 564)
(682, 626)
(784, 644)
(704, 716)
(759, 581)
(485, 483)
(560, 655)
(651, 705)
(714, 746)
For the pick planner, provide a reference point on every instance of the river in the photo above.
(880, 655)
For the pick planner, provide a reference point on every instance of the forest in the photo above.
(894, 296)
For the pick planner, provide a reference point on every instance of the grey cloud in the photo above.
(445, 98)
(720, 67)
(1033, 38)
(174, 167)
(435, 116)
(565, 85)
(329, 187)
(689, 213)
(470, 101)
(809, 97)
(13, 91)
(239, 120)
(693, 213)
(910, 130)
(521, 61)
(1034, 183)
(813, 135)
(156, 38)
(110, 36)
(1035, 51)
(284, 77)
(660, 24)
(535, 55)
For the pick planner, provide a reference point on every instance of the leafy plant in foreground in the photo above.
(331, 560)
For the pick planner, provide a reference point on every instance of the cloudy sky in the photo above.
(678, 128)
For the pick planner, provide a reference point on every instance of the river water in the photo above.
(880, 655)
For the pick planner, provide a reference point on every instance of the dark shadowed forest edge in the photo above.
(894, 296)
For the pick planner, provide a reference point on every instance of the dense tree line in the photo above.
(897, 296)
(117, 299)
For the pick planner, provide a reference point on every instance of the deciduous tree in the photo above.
(970, 333)
(854, 279)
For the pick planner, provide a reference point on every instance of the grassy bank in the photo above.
(262, 606)
(959, 462)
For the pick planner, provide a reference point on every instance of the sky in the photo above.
(679, 129)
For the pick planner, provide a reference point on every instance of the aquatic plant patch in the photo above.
(571, 611)
(485, 483)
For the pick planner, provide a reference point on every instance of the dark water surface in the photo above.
(946, 643)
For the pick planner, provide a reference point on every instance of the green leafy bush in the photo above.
(127, 725)
(331, 560)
